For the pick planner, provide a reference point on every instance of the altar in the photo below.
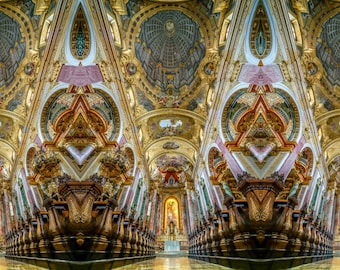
(171, 245)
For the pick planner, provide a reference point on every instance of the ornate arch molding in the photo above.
(319, 58)
(217, 165)
(96, 101)
(304, 165)
(80, 43)
(260, 125)
(174, 82)
(260, 12)
(178, 111)
(28, 44)
(144, 14)
(328, 128)
(315, 27)
(174, 145)
(80, 122)
(327, 115)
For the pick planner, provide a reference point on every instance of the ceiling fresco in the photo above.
(170, 48)
(328, 49)
(171, 170)
(12, 48)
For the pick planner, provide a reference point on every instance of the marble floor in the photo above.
(181, 263)
(6, 264)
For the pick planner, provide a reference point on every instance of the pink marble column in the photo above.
(183, 230)
(151, 213)
(9, 224)
(332, 204)
(337, 214)
(158, 227)
(336, 229)
(2, 225)
(191, 217)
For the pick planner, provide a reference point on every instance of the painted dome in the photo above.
(328, 49)
(170, 48)
(12, 48)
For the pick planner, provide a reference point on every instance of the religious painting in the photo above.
(159, 127)
(171, 215)
(172, 168)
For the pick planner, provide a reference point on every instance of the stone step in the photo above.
(172, 254)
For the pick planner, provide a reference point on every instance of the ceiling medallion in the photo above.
(131, 68)
(29, 68)
(170, 28)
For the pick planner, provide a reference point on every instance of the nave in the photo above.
(208, 127)
(176, 263)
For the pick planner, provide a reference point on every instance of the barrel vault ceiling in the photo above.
(169, 67)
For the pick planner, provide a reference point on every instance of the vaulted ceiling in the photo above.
(169, 78)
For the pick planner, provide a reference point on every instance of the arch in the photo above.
(29, 161)
(319, 20)
(304, 164)
(130, 155)
(279, 86)
(17, 45)
(217, 164)
(97, 100)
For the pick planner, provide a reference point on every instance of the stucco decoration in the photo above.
(260, 34)
(97, 100)
(242, 101)
(80, 35)
(12, 48)
(30, 161)
(304, 165)
(261, 126)
(217, 165)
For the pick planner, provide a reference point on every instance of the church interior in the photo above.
(131, 128)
